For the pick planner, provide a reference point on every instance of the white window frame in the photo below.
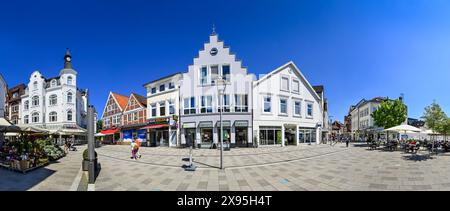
(26, 105)
(33, 101)
(212, 80)
(288, 83)
(69, 80)
(33, 117)
(53, 116)
(161, 105)
(264, 103)
(190, 107)
(69, 94)
(71, 115)
(173, 85)
(312, 110)
(221, 72)
(53, 100)
(294, 107)
(298, 83)
(153, 107)
(242, 108)
(136, 116)
(205, 81)
(287, 106)
(26, 119)
(171, 107)
(227, 107)
(206, 104)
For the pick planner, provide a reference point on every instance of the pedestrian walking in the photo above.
(347, 141)
(133, 150)
(137, 147)
(66, 147)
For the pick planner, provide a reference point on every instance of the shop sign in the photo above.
(189, 125)
(241, 124)
(205, 124)
(225, 123)
(158, 121)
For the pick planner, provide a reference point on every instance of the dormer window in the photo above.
(171, 85)
(35, 85)
(53, 84)
(69, 80)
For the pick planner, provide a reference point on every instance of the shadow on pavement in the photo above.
(417, 158)
(15, 181)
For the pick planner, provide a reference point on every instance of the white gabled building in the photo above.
(286, 108)
(56, 103)
(199, 98)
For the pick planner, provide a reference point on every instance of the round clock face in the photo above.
(214, 51)
(68, 59)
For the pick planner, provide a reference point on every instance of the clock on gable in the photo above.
(214, 51)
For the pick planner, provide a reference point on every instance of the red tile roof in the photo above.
(142, 100)
(122, 100)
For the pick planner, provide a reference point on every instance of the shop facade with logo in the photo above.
(287, 109)
(216, 83)
(163, 111)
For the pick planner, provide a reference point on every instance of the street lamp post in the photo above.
(221, 81)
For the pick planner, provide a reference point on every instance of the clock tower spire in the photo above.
(67, 60)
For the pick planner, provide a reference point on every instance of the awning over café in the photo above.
(155, 126)
(109, 132)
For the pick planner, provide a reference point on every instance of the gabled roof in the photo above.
(296, 69)
(121, 100)
(318, 89)
(139, 98)
(163, 78)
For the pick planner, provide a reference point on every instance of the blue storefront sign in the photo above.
(127, 135)
(142, 135)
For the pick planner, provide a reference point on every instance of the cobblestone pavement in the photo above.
(304, 167)
(57, 176)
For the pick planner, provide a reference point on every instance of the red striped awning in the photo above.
(109, 132)
(155, 126)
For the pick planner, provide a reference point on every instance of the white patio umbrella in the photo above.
(99, 135)
(404, 128)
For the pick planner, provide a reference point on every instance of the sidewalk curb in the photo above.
(76, 181)
(91, 187)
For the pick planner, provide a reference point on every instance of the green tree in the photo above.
(435, 118)
(389, 114)
(444, 128)
(99, 125)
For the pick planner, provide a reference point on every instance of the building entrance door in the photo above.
(190, 137)
(241, 137)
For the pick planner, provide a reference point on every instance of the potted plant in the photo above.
(85, 163)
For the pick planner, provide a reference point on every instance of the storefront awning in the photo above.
(109, 132)
(205, 124)
(225, 123)
(155, 126)
(240, 123)
(189, 125)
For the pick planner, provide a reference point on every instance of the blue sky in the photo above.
(356, 49)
